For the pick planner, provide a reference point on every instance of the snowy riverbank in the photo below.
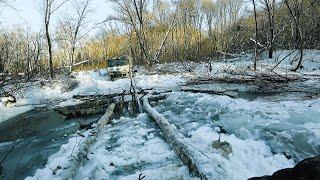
(267, 131)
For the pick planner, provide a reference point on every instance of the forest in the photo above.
(159, 31)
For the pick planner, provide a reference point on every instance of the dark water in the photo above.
(27, 140)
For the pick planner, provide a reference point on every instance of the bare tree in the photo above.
(208, 8)
(270, 8)
(72, 25)
(6, 3)
(256, 35)
(48, 8)
(295, 15)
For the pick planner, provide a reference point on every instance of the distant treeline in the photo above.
(161, 31)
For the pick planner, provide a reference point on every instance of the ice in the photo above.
(59, 162)
(283, 125)
(249, 158)
(126, 149)
(9, 112)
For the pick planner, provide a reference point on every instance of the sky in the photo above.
(27, 13)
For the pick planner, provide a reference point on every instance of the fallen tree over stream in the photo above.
(82, 155)
(93, 104)
(197, 162)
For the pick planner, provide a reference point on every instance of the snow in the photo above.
(126, 149)
(311, 59)
(261, 132)
(239, 165)
(62, 159)
(260, 129)
(284, 125)
(90, 82)
(94, 82)
(69, 102)
(10, 112)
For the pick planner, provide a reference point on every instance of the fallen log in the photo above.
(198, 163)
(82, 155)
(157, 98)
(229, 92)
(107, 96)
(104, 120)
(96, 96)
(86, 108)
(97, 104)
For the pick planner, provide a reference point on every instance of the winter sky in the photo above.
(26, 13)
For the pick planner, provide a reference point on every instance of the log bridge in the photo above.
(93, 104)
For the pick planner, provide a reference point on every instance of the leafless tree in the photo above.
(48, 8)
(295, 12)
(132, 14)
(256, 35)
(6, 3)
(270, 8)
(72, 26)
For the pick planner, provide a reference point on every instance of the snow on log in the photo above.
(82, 62)
(98, 103)
(85, 108)
(104, 120)
(197, 162)
(81, 156)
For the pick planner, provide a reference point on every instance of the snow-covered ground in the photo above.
(265, 135)
(91, 82)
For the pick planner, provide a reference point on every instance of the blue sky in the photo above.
(27, 13)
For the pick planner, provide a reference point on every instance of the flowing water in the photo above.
(27, 140)
(287, 127)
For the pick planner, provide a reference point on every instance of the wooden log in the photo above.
(228, 92)
(96, 96)
(86, 108)
(104, 120)
(97, 104)
(196, 161)
(81, 157)
(157, 98)
(107, 96)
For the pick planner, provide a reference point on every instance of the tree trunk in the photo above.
(50, 51)
(189, 155)
(270, 9)
(85, 146)
(256, 35)
(299, 38)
